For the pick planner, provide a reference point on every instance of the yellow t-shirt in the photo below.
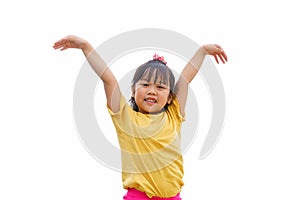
(150, 149)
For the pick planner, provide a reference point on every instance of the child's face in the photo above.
(151, 97)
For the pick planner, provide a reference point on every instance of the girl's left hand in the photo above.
(71, 41)
(216, 51)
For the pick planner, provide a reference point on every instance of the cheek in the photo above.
(165, 96)
(138, 94)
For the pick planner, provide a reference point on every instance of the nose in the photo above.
(151, 90)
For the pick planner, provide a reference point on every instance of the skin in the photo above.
(111, 87)
(151, 97)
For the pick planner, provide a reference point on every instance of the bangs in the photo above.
(157, 75)
(154, 71)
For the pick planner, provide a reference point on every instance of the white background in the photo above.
(257, 156)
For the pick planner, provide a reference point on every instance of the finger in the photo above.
(221, 54)
(64, 40)
(62, 45)
(216, 58)
(221, 58)
(224, 56)
(58, 46)
(64, 48)
(61, 41)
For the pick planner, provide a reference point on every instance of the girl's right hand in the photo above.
(217, 51)
(71, 41)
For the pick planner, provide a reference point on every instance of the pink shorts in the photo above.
(133, 194)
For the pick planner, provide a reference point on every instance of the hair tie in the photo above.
(160, 58)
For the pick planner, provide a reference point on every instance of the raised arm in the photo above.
(192, 68)
(111, 86)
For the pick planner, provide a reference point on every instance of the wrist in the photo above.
(203, 50)
(87, 48)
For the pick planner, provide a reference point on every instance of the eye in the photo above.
(145, 84)
(162, 87)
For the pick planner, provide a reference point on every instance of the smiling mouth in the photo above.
(152, 101)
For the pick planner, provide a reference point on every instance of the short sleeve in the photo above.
(121, 119)
(174, 109)
(122, 107)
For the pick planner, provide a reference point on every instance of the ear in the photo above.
(132, 91)
(170, 98)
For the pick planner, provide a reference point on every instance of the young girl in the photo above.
(148, 130)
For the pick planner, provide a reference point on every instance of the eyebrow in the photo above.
(156, 82)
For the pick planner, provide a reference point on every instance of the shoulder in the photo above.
(174, 109)
(123, 105)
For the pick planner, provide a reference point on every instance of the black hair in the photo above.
(160, 71)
